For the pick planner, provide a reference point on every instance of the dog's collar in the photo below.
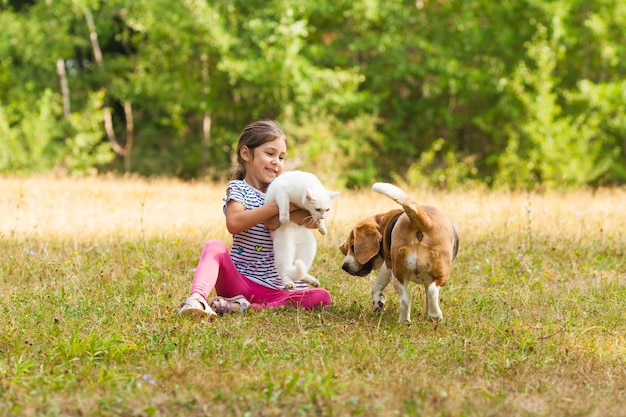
(390, 226)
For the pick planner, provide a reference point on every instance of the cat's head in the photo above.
(318, 203)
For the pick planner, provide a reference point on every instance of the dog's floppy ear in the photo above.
(345, 246)
(367, 240)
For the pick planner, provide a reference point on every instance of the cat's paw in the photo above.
(288, 284)
(284, 218)
(321, 226)
(311, 280)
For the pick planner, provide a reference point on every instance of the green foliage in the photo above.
(603, 103)
(11, 150)
(30, 145)
(521, 92)
(342, 152)
(546, 144)
(441, 167)
(43, 140)
(84, 148)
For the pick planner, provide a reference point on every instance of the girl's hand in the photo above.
(297, 215)
(272, 223)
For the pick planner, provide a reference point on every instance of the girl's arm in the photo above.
(239, 219)
(297, 215)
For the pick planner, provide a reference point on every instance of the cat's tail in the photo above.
(303, 274)
(300, 270)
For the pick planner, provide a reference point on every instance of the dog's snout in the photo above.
(360, 271)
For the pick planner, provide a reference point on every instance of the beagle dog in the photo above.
(415, 243)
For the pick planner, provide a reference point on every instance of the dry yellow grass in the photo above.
(94, 208)
(91, 209)
(99, 208)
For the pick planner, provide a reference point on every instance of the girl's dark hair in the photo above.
(254, 135)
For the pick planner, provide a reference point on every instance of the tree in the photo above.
(448, 92)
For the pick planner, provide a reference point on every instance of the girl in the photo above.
(246, 275)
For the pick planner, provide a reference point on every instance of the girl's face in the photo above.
(265, 163)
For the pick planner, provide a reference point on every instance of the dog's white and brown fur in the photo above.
(415, 243)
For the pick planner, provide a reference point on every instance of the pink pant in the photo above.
(217, 270)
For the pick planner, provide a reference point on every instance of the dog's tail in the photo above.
(391, 191)
(417, 215)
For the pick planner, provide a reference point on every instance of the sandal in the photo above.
(196, 308)
(223, 305)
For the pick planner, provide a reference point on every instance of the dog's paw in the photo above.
(436, 319)
(378, 306)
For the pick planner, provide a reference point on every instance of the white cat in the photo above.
(295, 245)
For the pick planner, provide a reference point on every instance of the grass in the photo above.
(92, 272)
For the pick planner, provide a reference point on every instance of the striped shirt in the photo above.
(252, 251)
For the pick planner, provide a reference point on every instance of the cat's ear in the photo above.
(310, 196)
(333, 194)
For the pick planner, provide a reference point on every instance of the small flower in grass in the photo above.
(546, 273)
(503, 292)
(148, 379)
(69, 298)
(167, 312)
(75, 253)
(175, 242)
(57, 319)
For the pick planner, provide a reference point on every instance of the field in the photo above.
(92, 272)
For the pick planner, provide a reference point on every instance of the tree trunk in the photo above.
(130, 134)
(65, 90)
(93, 38)
(108, 127)
(207, 118)
(206, 142)
(124, 151)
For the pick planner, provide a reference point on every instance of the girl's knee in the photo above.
(319, 297)
(215, 245)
